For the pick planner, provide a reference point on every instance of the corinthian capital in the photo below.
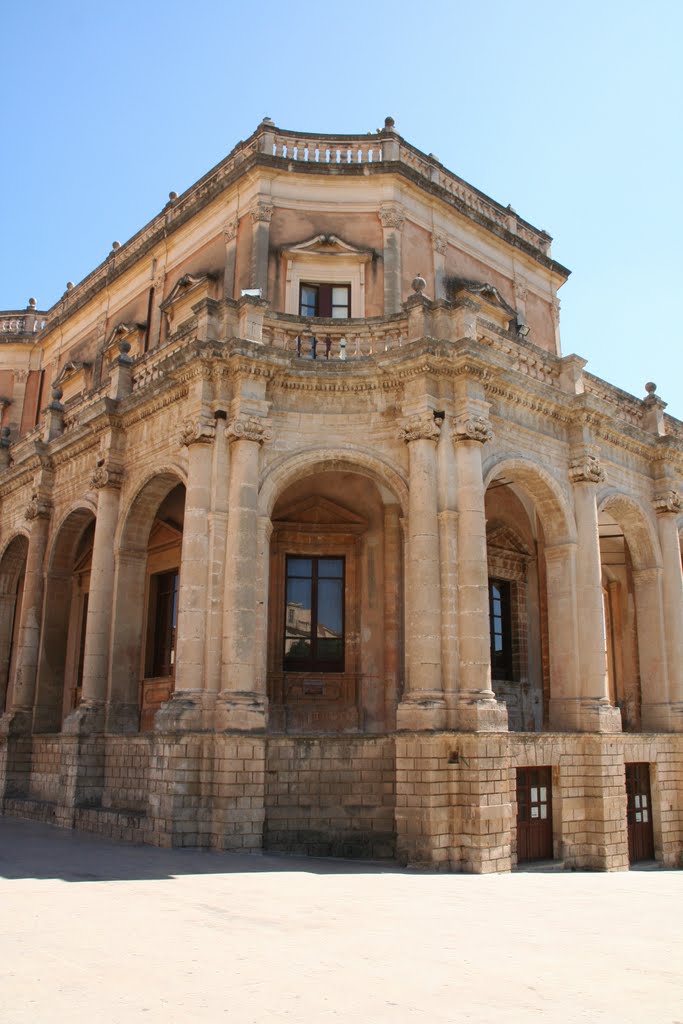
(421, 427)
(392, 217)
(199, 431)
(472, 428)
(248, 428)
(38, 507)
(668, 501)
(262, 211)
(585, 466)
(107, 476)
(440, 243)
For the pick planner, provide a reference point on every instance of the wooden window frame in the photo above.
(315, 663)
(164, 635)
(324, 299)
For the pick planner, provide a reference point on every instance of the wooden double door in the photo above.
(534, 814)
(641, 844)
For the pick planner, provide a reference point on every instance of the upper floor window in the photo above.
(501, 629)
(331, 300)
(314, 615)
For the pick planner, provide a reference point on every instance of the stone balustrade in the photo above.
(20, 322)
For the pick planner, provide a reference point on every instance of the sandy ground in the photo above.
(102, 932)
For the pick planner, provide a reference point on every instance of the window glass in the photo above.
(308, 305)
(314, 614)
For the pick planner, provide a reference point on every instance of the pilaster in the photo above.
(392, 218)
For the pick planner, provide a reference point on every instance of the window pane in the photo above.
(329, 608)
(300, 567)
(330, 649)
(331, 567)
(298, 611)
(297, 647)
(309, 300)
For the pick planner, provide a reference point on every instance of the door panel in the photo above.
(639, 813)
(534, 814)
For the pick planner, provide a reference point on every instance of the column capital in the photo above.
(392, 217)
(585, 465)
(39, 507)
(230, 230)
(471, 428)
(423, 426)
(249, 428)
(262, 211)
(197, 431)
(668, 501)
(106, 475)
(440, 243)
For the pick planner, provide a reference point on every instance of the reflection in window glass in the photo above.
(314, 614)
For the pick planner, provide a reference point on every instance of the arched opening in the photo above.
(631, 580)
(65, 609)
(146, 604)
(12, 575)
(531, 545)
(334, 638)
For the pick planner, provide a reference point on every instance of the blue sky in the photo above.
(570, 113)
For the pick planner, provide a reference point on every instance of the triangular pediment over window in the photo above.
(327, 246)
(321, 513)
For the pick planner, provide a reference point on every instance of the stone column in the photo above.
(19, 718)
(652, 651)
(668, 506)
(230, 236)
(265, 530)
(186, 709)
(242, 703)
(260, 218)
(392, 612)
(474, 706)
(89, 716)
(588, 710)
(422, 706)
(392, 224)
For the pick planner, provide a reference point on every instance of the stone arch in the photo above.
(293, 466)
(634, 610)
(12, 570)
(63, 617)
(550, 501)
(130, 589)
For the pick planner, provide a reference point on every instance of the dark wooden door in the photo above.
(641, 845)
(534, 814)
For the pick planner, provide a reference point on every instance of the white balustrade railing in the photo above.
(328, 151)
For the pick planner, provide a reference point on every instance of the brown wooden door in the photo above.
(641, 845)
(534, 814)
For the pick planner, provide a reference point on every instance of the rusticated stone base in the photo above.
(443, 800)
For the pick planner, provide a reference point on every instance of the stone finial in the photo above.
(472, 428)
(389, 124)
(650, 387)
(55, 397)
(422, 427)
(172, 196)
(69, 286)
(268, 120)
(32, 303)
(115, 246)
(419, 284)
(668, 501)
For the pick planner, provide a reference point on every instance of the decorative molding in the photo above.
(249, 428)
(440, 243)
(107, 476)
(262, 211)
(423, 427)
(668, 501)
(230, 230)
(38, 507)
(195, 431)
(585, 466)
(392, 217)
(472, 428)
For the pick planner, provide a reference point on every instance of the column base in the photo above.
(122, 719)
(422, 712)
(186, 711)
(241, 711)
(86, 719)
(583, 714)
(476, 713)
(662, 717)
(16, 723)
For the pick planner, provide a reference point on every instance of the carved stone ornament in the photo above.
(230, 230)
(106, 476)
(198, 431)
(38, 508)
(420, 428)
(586, 468)
(668, 501)
(440, 243)
(472, 428)
(248, 428)
(392, 217)
(262, 211)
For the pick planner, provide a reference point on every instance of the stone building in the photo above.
(312, 540)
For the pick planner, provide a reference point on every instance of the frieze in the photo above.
(668, 501)
(249, 428)
(423, 427)
(472, 428)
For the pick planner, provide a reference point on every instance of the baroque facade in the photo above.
(312, 540)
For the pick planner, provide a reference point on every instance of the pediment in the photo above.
(70, 369)
(327, 246)
(164, 535)
(503, 538)
(482, 290)
(320, 512)
(186, 284)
